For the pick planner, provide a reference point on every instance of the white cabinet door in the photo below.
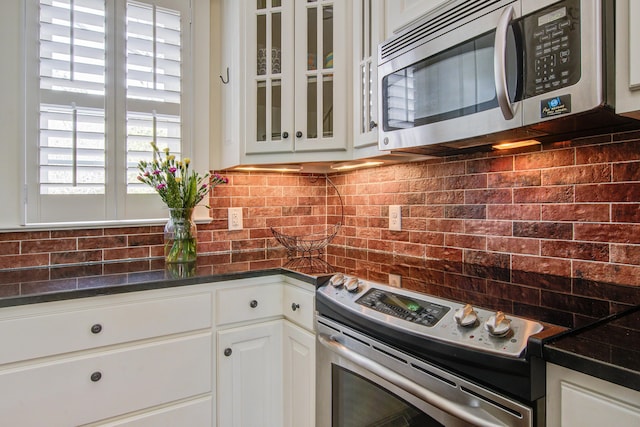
(368, 33)
(321, 97)
(196, 413)
(299, 376)
(290, 101)
(94, 386)
(628, 58)
(578, 400)
(401, 13)
(299, 305)
(66, 326)
(249, 385)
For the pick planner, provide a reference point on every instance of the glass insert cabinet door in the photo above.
(296, 81)
(368, 32)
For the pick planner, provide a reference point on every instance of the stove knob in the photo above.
(498, 325)
(337, 280)
(352, 284)
(466, 316)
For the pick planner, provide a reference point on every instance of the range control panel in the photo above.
(403, 307)
(427, 316)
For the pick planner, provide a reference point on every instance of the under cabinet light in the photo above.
(293, 168)
(349, 166)
(516, 144)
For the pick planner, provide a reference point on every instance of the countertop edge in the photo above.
(160, 283)
(595, 368)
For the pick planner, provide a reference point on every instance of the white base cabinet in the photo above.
(266, 363)
(299, 376)
(250, 375)
(578, 400)
(192, 412)
(235, 353)
(103, 360)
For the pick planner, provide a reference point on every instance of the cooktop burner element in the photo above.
(429, 317)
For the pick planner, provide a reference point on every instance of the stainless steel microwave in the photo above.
(475, 73)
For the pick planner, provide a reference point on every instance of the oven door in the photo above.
(357, 388)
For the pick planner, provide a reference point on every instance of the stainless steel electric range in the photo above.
(393, 357)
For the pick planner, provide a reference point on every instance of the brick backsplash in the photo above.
(569, 209)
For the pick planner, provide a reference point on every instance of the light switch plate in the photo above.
(235, 218)
(395, 217)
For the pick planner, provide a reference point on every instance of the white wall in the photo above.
(10, 118)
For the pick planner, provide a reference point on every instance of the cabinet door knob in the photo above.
(285, 135)
(253, 304)
(372, 125)
(298, 134)
(96, 376)
(294, 306)
(96, 329)
(227, 352)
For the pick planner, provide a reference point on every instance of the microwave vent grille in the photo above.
(438, 22)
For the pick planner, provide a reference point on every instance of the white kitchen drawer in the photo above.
(246, 303)
(63, 392)
(299, 306)
(196, 413)
(51, 333)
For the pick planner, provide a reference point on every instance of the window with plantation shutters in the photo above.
(105, 78)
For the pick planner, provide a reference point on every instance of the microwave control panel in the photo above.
(552, 39)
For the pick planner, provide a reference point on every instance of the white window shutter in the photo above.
(110, 79)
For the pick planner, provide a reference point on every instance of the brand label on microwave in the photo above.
(555, 106)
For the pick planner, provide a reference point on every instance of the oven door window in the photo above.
(358, 402)
(454, 83)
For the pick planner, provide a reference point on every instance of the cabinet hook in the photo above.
(225, 82)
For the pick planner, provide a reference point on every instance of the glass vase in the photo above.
(180, 240)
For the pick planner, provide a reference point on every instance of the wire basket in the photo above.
(307, 244)
(313, 244)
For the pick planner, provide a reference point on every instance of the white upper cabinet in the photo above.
(401, 13)
(628, 58)
(368, 33)
(287, 99)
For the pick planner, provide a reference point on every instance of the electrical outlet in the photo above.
(395, 217)
(395, 280)
(235, 218)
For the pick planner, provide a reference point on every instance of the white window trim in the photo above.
(195, 116)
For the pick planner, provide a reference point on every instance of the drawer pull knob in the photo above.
(96, 329)
(294, 306)
(96, 376)
(253, 304)
(227, 352)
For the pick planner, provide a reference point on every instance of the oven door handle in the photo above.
(469, 414)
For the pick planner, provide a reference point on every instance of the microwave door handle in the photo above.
(499, 63)
(472, 415)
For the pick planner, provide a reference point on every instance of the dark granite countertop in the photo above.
(600, 339)
(608, 349)
(37, 285)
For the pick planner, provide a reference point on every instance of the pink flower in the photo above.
(173, 170)
(156, 172)
(161, 186)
